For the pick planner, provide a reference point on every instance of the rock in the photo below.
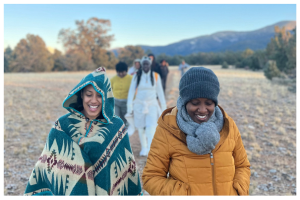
(255, 174)
(287, 176)
(23, 178)
(291, 128)
(282, 149)
(263, 187)
(251, 127)
(276, 178)
(293, 191)
(269, 144)
(270, 186)
(290, 178)
(272, 171)
(11, 187)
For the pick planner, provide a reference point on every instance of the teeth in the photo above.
(94, 106)
(202, 117)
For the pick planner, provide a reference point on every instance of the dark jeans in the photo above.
(121, 109)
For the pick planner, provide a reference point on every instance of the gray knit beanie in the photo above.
(199, 82)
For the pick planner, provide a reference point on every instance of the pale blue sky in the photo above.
(140, 24)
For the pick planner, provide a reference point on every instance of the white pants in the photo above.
(146, 135)
(148, 119)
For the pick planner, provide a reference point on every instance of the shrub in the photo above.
(271, 70)
(225, 65)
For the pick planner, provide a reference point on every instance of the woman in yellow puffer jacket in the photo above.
(198, 144)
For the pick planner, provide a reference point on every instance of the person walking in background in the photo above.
(164, 68)
(183, 67)
(145, 86)
(75, 159)
(120, 85)
(154, 65)
(136, 66)
(198, 144)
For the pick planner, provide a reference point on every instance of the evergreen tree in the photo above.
(271, 70)
(7, 58)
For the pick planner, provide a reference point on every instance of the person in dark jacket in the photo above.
(164, 68)
(155, 66)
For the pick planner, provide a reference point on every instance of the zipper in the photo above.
(213, 172)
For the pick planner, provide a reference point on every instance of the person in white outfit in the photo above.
(146, 86)
(136, 66)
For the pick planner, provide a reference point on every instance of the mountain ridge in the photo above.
(222, 41)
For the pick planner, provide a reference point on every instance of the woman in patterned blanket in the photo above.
(87, 151)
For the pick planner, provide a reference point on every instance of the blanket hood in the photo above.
(101, 83)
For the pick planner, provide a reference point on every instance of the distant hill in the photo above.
(222, 41)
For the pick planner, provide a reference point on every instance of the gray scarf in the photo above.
(201, 138)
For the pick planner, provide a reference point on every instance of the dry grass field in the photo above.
(264, 113)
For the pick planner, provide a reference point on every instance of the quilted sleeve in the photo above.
(154, 176)
(241, 179)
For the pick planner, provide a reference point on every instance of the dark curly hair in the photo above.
(121, 66)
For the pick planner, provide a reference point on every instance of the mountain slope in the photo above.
(222, 41)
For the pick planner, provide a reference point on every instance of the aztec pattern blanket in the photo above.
(80, 161)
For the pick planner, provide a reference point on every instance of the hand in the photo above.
(129, 109)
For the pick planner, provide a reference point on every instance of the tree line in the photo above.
(86, 48)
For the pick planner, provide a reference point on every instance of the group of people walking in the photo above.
(194, 148)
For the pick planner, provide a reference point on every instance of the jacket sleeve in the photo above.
(241, 179)
(154, 176)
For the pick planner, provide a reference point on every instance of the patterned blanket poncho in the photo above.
(76, 161)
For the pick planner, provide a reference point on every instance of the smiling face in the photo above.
(200, 109)
(122, 74)
(146, 66)
(92, 102)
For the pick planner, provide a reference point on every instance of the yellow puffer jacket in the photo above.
(226, 171)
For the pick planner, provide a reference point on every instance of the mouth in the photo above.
(202, 117)
(93, 108)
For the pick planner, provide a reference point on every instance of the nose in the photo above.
(94, 98)
(202, 109)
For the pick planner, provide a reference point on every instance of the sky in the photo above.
(140, 24)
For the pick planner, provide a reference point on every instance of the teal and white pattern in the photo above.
(80, 161)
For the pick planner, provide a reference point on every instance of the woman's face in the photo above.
(200, 109)
(137, 65)
(146, 66)
(92, 102)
